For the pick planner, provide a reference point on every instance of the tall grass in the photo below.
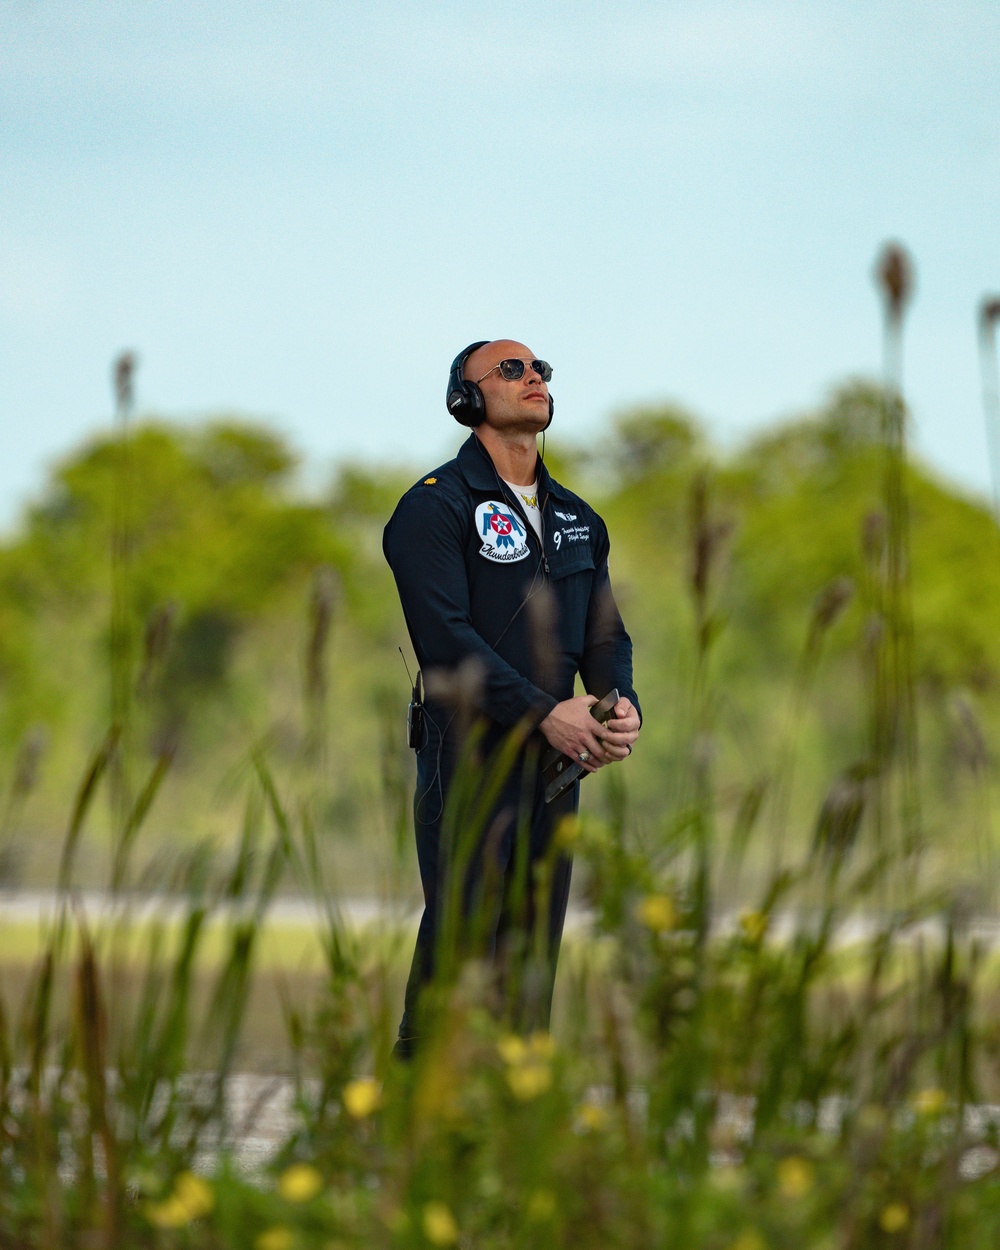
(812, 1071)
(989, 315)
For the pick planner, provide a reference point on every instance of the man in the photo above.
(503, 578)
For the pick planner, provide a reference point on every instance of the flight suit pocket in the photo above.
(571, 558)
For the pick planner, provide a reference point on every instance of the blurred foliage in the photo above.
(188, 638)
(222, 554)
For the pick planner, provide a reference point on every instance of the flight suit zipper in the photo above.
(529, 529)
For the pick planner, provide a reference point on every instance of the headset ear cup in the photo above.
(552, 409)
(477, 405)
(458, 406)
(464, 399)
(467, 405)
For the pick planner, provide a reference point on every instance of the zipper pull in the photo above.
(545, 565)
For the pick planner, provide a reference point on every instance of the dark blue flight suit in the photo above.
(479, 590)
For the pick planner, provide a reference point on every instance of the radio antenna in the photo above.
(405, 665)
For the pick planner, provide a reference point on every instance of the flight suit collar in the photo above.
(477, 467)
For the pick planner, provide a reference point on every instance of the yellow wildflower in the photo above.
(191, 1199)
(440, 1228)
(591, 1117)
(795, 1176)
(276, 1238)
(541, 1206)
(528, 1080)
(657, 912)
(528, 1073)
(894, 1218)
(567, 831)
(512, 1049)
(168, 1214)
(754, 925)
(300, 1182)
(362, 1096)
(930, 1101)
(749, 1241)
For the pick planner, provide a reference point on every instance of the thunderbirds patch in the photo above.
(500, 528)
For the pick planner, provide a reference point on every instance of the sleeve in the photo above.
(424, 544)
(607, 655)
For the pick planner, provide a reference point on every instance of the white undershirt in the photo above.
(527, 497)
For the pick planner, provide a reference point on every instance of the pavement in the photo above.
(28, 906)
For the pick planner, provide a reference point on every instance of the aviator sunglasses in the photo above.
(512, 370)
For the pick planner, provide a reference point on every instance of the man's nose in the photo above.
(531, 374)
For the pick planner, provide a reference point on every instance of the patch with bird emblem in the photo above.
(500, 528)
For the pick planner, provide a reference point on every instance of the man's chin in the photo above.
(523, 427)
(535, 419)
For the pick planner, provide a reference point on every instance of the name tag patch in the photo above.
(573, 534)
(502, 533)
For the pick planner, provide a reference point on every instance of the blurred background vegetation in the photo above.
(255, 616)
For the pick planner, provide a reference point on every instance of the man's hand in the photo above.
(621, 731)
(570, 728)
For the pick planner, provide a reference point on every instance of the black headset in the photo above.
(464, 398)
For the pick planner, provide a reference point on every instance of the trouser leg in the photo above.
(478, 907)
(534, 913)
(513, 902)
(428, 810)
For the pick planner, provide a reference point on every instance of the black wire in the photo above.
(436, 778)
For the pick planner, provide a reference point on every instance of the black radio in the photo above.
(415, 712)
(415, 715)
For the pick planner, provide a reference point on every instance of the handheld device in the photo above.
(415, 711)
(558, 770)
(415, 714)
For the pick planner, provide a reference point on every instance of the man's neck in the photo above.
(514, 455)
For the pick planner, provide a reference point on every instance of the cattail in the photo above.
(122, 632)
(155, 641)
(701, 538)
(322, 606)
(969, 740)
(989, 315)
(830, 603)
(839, 820)
(124, 381)
(25, 778)
(873, 634)
(708, 533)
(894, 275)
(29, 757)
(873, 536)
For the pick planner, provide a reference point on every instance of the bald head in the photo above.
(490, 354)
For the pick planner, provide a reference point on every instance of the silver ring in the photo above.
(584, 756)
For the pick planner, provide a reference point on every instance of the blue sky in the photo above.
(301, 212)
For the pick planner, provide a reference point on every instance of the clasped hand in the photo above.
(571, 729)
